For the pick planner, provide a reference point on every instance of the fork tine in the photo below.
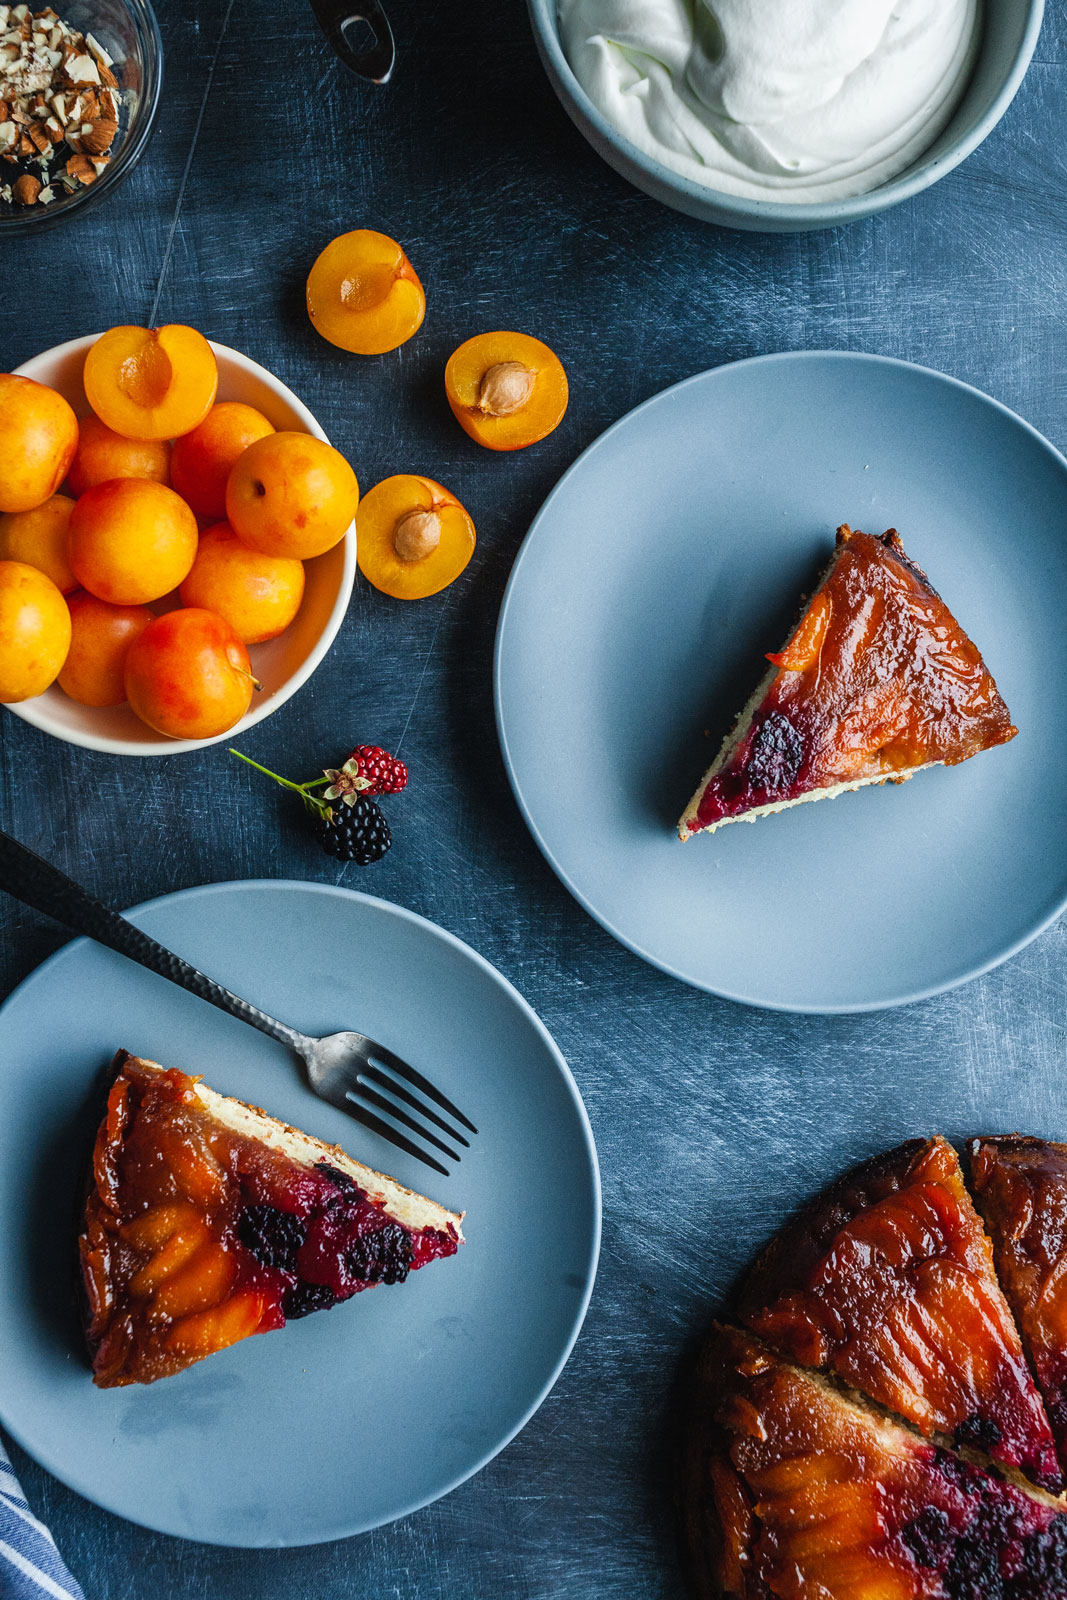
(401, 1116)
(383, 1081)
(376, 1125)
(402, 1070)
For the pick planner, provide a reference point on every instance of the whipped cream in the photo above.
(786, 100)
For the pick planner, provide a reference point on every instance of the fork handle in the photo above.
(37, 883)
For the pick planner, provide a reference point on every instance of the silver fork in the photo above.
(354, 1073)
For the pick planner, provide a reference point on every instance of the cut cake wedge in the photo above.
(1020, 1186)
(887, 1281)
(795, 1489)
(208, 1221)
(876, 681)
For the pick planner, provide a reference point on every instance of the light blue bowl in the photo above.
(1009, 34)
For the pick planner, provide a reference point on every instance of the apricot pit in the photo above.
(413, 537)
(506, 390)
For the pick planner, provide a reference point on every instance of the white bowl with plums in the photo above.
(279, 665)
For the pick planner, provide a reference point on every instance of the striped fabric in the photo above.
(30, 1564)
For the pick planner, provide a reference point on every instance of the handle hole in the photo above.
(358, 35)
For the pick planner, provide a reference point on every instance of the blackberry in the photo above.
(381, 1257)
(339, 1179)
(305, 1298)
(349, 823)
(929, 1537)
(273, 1236)
(982, 1432)
(356, 832)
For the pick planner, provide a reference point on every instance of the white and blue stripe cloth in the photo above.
(30, 1565)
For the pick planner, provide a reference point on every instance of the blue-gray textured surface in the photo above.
(711, 1120)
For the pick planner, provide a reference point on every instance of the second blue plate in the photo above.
(353, 1416)
(668, 559)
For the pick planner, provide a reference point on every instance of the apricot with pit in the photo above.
(363, 294)
(151, 383)
(102, 454)
(258, 595)
(39, 537)
(38, 438)
(413, 537)
(188, 675)
(291, 494)
(100, 639)
(131, 541)
(34, 632)
(507, 390)
(203, 459)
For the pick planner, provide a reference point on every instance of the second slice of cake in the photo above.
(876, 681)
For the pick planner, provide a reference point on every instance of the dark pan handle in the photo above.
(374, 61)
(40, 885)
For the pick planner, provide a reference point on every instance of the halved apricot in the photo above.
(206, 1331)
(39, 538)
(507, 390)
(413, 538)
(363, 295)
(102, 454)
(199, 1284)
(38, 438)
(806, 644)
(202, 459)
(151, 383)
(291, 494)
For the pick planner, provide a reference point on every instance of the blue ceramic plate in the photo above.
(669, 559)
(357, 1415)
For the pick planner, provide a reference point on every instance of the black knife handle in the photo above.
(40, 885)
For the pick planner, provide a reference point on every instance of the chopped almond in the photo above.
(26, 189)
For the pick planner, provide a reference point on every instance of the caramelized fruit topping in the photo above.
(877, 680)
(197, 1236)
(1020, 1185)
(827, 1501)
(887, 1281)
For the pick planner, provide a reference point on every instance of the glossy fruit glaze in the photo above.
(877, 679)
(887, 1281)
(196, 1236)
(818, 1498)
(1020, 1185)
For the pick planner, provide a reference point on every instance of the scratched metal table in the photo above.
(711, 1120)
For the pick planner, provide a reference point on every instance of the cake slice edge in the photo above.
(406, 1206)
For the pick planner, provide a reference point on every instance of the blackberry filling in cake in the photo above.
(208, 1221)
(876, 681)
(887, 1281)
(795, 1489)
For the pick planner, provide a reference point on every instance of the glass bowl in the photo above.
(129, 32)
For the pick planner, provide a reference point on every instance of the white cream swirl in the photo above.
(787, 100)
